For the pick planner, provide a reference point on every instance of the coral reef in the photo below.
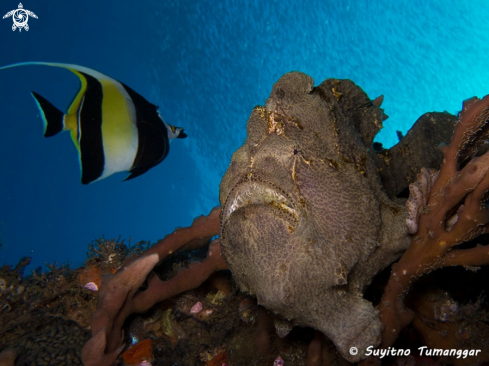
(119, 296)
(443, 323)
(445, 209)
(40, 330)
(313, 215)
(43, 315)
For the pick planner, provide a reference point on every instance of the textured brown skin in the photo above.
(313, 145)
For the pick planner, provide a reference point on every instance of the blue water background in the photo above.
(206, 64)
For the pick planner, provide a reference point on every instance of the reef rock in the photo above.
(306, 222)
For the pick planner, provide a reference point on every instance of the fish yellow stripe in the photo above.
(75, 104)
(71, 124)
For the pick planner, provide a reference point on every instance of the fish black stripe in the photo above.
(153, 143)
(90, 125)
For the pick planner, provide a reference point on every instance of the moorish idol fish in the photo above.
(114, 129)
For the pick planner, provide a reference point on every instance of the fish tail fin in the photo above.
(52, 117)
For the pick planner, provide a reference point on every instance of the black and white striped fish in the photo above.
(114, 129)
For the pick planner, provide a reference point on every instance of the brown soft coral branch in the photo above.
(454, 212)
(119, 296)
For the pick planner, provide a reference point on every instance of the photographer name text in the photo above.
(423, 351)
